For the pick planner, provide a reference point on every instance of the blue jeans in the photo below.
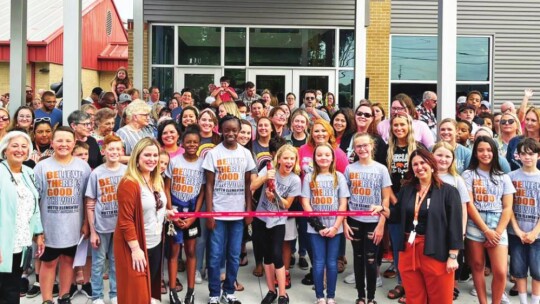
(303, 237)
(229, 233)
(396, 234)
(325, 254)
(525, 258)
(98, 262)
(200, 247)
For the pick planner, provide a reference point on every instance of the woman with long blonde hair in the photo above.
(531, 130)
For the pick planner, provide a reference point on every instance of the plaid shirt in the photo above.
(427, 116)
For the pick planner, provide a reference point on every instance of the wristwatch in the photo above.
(453, 256)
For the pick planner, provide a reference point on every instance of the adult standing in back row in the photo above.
(48, 109)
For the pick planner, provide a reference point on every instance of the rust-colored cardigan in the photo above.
(132, 286)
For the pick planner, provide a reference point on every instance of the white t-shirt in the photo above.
(153, 219)
(526, 200)
(487, 195)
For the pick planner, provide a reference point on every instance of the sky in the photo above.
(125, 8)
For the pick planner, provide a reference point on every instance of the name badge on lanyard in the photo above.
(418, 203)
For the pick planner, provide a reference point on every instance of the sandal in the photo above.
(238, 286)
(258, 270)
(402, 300)
(372, 301)
(396, 293)
(243, 259)
(163, 287)
(179, 286)
(360, 301)
(456, 293)
(487, 271)
(390, 273)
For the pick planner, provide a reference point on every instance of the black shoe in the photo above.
(190, 300)
(65, 299)
(308, 278)
(283, 299)
(73, 290)
(302, 263)
(87, 290)
(173, 297)
(34, 291)
(25, 286)
(293, 261)
(270, 297)
(55, 290)
(48, 302)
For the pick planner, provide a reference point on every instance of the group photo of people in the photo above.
(441, 201)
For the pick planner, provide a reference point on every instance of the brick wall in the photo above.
(378, 51)
(146, 80)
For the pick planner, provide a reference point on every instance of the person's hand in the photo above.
(451, 265)
(528, 93)
(348, 231)
(378, 234)
(210, 223)
(248, 220)
(270, 195)
(40, 242)
(139, 261)
(271, 174)
(169, 214)
(330, 232)
(94, 240)
(530, 237)
(521, 235)
(85, 230)
(376, 209)
(187, 222)
(493, 237)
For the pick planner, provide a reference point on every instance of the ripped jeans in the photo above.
(365, 257)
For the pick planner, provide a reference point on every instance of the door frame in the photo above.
(251, 74)
(331, 74)
(179, 74)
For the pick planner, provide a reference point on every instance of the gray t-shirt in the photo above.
(230, 167)
(323, 196)
(130, 137)
(61, 189)
(286, 186)
(459, 184)
(186, 178)
(153, 219)
(487, 196)
(526, 200)
(365, 185)
(102, 186)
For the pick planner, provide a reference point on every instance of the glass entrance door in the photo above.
(279, 82)
(197, 79)
(313, 79)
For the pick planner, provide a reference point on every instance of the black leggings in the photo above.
(272, 242)
(154, 262)
(10, 282)
(365, 257)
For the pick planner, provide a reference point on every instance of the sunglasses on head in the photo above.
(510, 121)
(364, 114)
(47, 119)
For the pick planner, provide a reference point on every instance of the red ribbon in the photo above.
(272, 214)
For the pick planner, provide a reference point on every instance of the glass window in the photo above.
(198, 83)
(415, 90)
(235, 46)
(163, 78)
(346, 48)
(162, 45)
(238, 79)
(346, 88)
(199, 45)
(291, 47)
(415, 58)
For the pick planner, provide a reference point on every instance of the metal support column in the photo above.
(72, 57)
(446, 60)
(17, 57)
(138, 47)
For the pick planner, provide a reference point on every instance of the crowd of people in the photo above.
(127, 165)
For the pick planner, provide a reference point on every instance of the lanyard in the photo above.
(419, 199)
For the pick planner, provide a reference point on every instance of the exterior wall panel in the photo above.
(260, 12)
(514, 26)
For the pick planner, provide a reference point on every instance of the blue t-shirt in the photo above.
(55, 116)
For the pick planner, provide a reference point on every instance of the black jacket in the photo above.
(444, 229)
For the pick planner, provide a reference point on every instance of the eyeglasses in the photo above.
(280, 115)
(363, 114)
(398, 109)
(25, 116)
(4, 118)
(434, 100)
(86, 124)
(159, 203)
(362, 147)
(510, 121)
(310, 98)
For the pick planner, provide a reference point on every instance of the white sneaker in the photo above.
(350, 279)
(198, 277)
(504, 299)
(473, 292)
(379, 281)
(320, 301)
(114, 300)
(98, 301)
(213, 300)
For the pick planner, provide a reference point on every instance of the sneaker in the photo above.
(270, 297)
(288, 283)
(189, 300)
(473, 292)
(114, 300)
(302, 263)
(73, 290)
(34, 291)
(48, 302)
(25, 286)
(213, 300)
(330, 301)
(198, 277)
(320, 301)
(98, 301)
(87, 290)
(350, 279)
(55, 290)
(504, 299)
(308, 278)
(173, 297)
(379, 281)
(283, 299)
(293, 261)
(65, 299)
(229, 299)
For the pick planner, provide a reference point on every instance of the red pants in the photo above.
(425, 279)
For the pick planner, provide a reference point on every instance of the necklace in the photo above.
(14, 181)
